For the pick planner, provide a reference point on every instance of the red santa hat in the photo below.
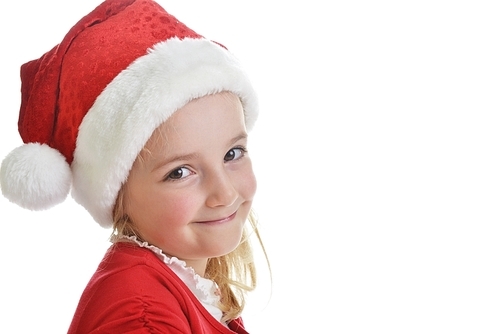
(90, 104)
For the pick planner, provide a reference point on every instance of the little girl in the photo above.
(147, 122)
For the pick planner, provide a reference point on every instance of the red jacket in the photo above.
(133, 291)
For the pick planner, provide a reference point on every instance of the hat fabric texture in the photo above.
(90, 104)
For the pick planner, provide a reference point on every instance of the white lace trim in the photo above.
(205, 290)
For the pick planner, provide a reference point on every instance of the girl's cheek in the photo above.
(249, 184)
(181, 210)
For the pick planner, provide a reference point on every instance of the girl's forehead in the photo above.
(225, 106)
(217, 113)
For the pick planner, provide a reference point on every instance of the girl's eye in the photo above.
(235, 154)
(178, 173)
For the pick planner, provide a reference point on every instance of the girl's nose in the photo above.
(221, 190)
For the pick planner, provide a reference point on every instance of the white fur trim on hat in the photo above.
(136, 102)
(35, 176)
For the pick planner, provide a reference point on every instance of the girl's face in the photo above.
(190, 190)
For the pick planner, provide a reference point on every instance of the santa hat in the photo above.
(90, 104)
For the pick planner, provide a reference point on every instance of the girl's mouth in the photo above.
(219, 221)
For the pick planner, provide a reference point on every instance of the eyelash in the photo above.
(240, 148)
(169, 177)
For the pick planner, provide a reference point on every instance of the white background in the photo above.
(377, 153)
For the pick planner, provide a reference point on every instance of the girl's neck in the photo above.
(199, 266)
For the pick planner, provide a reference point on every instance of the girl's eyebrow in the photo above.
(239, 137)
(180, 157)
(189, 156)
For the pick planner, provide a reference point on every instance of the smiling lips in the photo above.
(219, 221)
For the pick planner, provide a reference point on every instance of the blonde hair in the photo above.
(234, 273)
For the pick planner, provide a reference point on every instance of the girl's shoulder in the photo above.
(130, 287)
(130, 266)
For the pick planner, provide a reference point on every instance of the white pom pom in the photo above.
(35, 176)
